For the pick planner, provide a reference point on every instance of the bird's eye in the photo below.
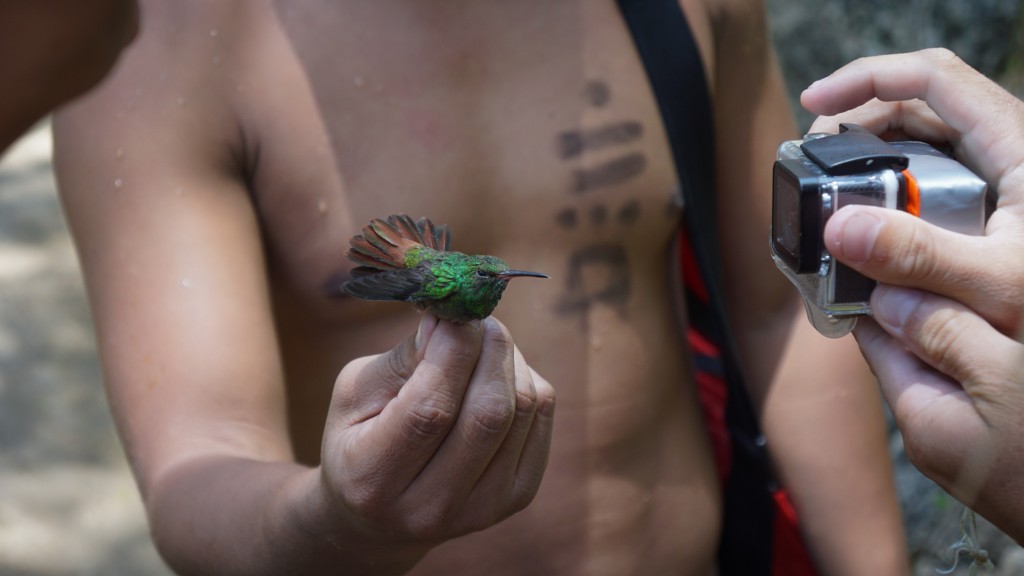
(482, 274)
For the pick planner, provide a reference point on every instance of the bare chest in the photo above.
(528, 127)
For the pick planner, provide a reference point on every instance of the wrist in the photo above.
(229, 515)
(335, 537)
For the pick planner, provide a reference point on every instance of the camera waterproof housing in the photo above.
(814, 177)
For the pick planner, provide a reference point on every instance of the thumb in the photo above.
(897, 248)
(367, 384)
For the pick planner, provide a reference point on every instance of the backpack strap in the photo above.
(676, 73)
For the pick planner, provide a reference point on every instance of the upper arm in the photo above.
(752, 117)
(153, 188)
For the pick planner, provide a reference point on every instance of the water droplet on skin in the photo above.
(321, 206)
(181, 102)
(118, 183)
(213, 33)
(119, 154)
(186, 283)
(596, 343)
(358, 81)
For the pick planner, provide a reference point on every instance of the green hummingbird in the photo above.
(411, 261)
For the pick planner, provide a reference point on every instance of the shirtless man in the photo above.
(212, 187)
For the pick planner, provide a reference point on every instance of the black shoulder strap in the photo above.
(674, 68)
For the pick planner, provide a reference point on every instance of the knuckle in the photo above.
(941, 331)
(915, 254)
(351, 371)
(490, 417)
(347, 381)
(1012, 290)
(526, 400)
(941, 55)
(523, 494)
(396, 364)
(430, 418)
(546, 397)
(983, 373)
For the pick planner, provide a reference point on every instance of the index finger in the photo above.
(937, 76)
(976, 108)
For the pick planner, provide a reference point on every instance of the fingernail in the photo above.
(857, 235)
(892, 305)
(427, 324)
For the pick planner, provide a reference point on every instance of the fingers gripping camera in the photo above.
(817, 176)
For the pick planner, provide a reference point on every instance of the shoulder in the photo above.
(173, 93)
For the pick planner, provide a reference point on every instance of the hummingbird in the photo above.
(408, 261)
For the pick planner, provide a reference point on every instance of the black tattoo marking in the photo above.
(567, 218)
(609, 173)
(574, 143)
(629, 213)
(597, 93)
(598, 274)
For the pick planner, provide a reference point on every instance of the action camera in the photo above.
(814, 177)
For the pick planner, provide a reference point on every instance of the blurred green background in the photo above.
(67, 502)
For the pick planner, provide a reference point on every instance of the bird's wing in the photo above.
(436, 237)
(402, 284)
(383, 243)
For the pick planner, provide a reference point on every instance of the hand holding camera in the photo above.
(948, 304)
(814, 178)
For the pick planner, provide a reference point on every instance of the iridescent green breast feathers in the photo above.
(408, 261)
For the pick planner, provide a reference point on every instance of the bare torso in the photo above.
(471, 113)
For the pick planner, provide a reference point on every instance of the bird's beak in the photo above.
(514, 273)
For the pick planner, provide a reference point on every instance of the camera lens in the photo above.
(786, 219)
(796, 216)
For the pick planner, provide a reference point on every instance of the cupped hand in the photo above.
(446, 434)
